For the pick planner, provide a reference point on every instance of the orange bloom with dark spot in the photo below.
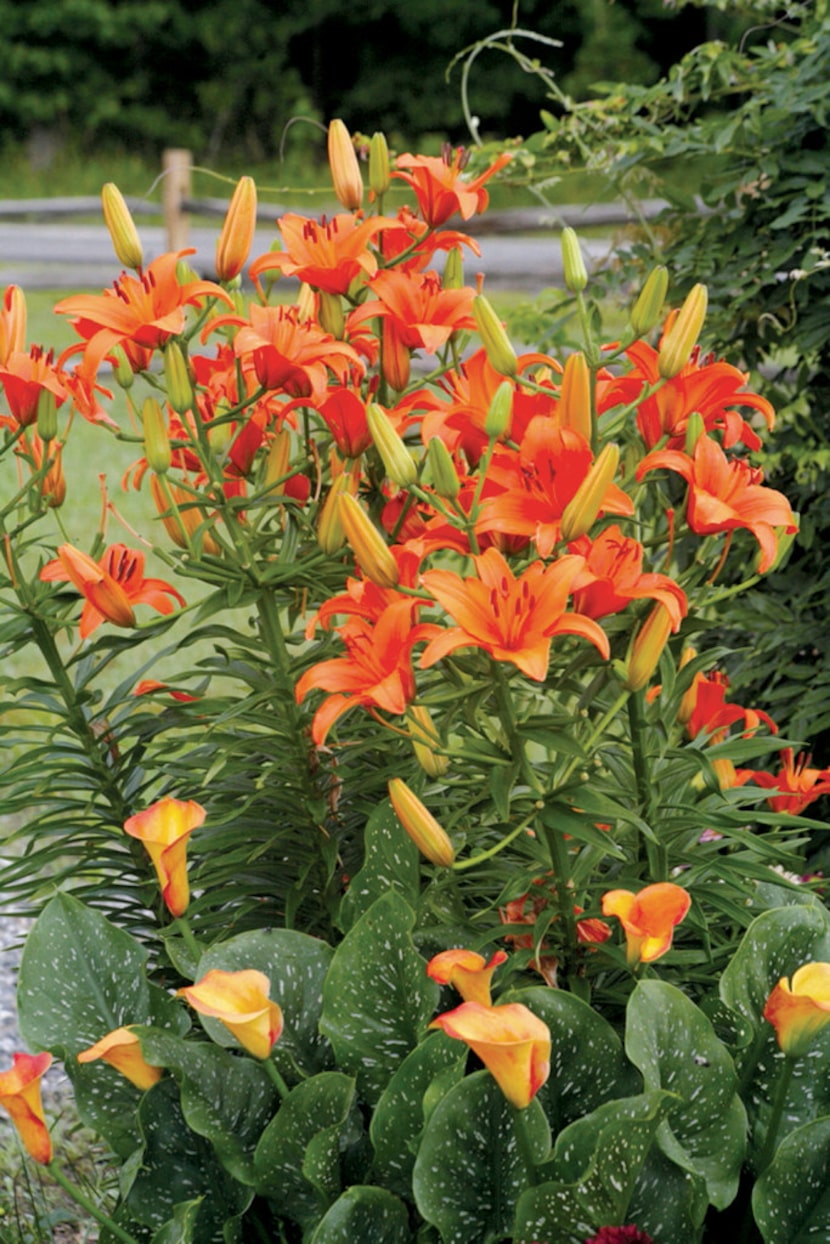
(327, 255)
(613, 577)
(416, 306)
(111, 586)
(440, 187)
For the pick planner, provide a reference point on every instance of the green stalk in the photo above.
(656, 852)
(85, 1203)
(276, 1079)
(778, 1102)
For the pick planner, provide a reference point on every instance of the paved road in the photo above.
(73, 256)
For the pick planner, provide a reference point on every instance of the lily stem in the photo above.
(782, 1088)
(85, 1203)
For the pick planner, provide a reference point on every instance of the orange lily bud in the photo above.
(156, 439)
(398, 461)
(575, 272)
(177, 378)
(396, 357)
(681, 338)
(20, 1095)
(430, 839)
(648, 918)
(190, 516)
(425, 741)
(467, 972)
(581, 512)
(234, 242)
(499, 351)
(277, 462)
(330, 534)
(367, 544)
(121, 1048)
(442, 470)
(689, 700)
(164, 828)
(121, 226)
(575, 395)
(379, 172)
(512, 1042)
(330, 314)
(240, 1001)
(648, 308)
(646, 648)
(800, 1009)
(345, 169)
(12, 323)
(47, 415)
(500, 411)
(453, 277)
(53, 484)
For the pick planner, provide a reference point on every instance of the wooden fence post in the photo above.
(176, 190)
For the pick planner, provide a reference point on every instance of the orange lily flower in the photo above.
(110, 586)
(12, 322)
(704, 708)
(377, 670)
(530, 490)
(141, 310)
(512, 619)
(422, 313)
(725, 495)
(467, 972)
(121, 1048)
(164, 828)
(648, 918)
(20, 1095)
(440, 187)
(344, 412)
(796, 784)
(240, 1001)
(25, 376)
(512, 1042)
(327, 255)
(799, 1010)
(613, 577)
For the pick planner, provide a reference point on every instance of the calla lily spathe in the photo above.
(466, 971)
(240, 1001)
(121, 1048)
(164, 828)
(799, 1009)
(649, 918)
(20, 1095)
(512, 1042)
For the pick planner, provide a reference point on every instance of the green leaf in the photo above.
(225, 1098)
(668, 1202)
(296, 966)
(675, 1047)
(297, 1160)
(469, 1172)
(398, 1119)
(583, 828)
(391, 862)
(595, 1166)
(80, 978)
(377, 999)
(180, 1229)
(791, 1200)
(364, 1213)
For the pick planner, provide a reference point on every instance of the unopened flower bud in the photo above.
(156, 439)
(330, 534)
(396, 357)
(500, 353)
(277, 462)
(695, 428)
(330, 314)
(648, 309)
(647, 648)
(453, 277)
(180, 393)
(681, 338)
(442, 470)
(573, 265)
(13, 323)
(582, 510)
(306, 302)
(398, 461)
(575, 395)
(379, 172)
(688, 700)
(181, 516)
(121, 369)
(47, 415)
(220, 431)
(53, 487)
(234, 242)
(121, 227)
(500, 411)
(368, 545)
(345, 169)
(430, 839)
(425, 741)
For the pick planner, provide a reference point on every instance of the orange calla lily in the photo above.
(440, 187)
(512, 1042)
(648, 918)
(799, 1009)
(121, 1048)
(20, 1095)
(240, 1001)
(467, 972)
(110, 586)
(164, 828)
(512, 619)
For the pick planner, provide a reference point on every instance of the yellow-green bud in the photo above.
(430, 839)
(330, 534)
(647, 647)
(681, 338)
(648, 309)
(500, 411)
(121, 227)
(121, 369)
(180, 393)
(156, 439)
(379, 173)
(453, 277)
(47, 415)
(425, 741)
(398, 461)
(345, 169)
(368, 545)
(330, 314)
(695, 428)
(581, 512)
(500, 353)
(277, 462)
(573, 265)
(442, 470)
